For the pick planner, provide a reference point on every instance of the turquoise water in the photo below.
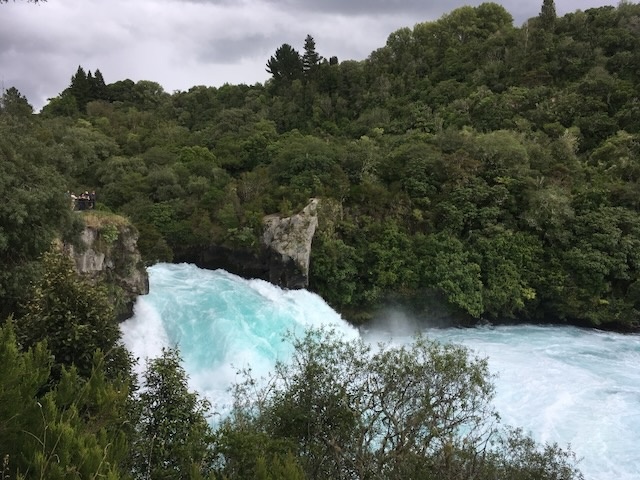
(562, 384)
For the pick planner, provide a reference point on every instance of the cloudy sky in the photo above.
(182, 43)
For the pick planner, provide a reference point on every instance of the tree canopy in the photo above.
(286, 65)
(454, 137)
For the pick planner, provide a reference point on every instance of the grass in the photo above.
(98, 219)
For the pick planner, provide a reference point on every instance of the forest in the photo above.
(489, 170)
(468, 168)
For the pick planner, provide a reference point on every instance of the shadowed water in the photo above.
(562, 384)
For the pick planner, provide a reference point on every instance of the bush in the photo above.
(348, 410)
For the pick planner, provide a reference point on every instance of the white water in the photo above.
(562, 384)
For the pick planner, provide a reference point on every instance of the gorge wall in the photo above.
(108, 254)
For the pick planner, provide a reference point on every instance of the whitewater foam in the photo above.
(562, 384)
(221, 323)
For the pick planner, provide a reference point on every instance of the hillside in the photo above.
(474, 169)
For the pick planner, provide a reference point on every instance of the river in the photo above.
(562, 384)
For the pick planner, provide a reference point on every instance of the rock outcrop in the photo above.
(108, 254)
(283, 255)
(287, 243)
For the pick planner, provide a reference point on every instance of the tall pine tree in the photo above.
(548, 14)
(80, 88)
(14, 103)
(310, 58)
(98, 87)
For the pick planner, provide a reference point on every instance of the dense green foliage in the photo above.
(174, 439)
(74, 317)
(346, 410)
(468, 165)
(77, 429)
(34, 210)
(69, 402)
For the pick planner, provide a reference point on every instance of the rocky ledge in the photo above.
(108, 254)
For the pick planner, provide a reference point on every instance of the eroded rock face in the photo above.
(90, 262)
(283, 257)
(287, 243)
(115, 262)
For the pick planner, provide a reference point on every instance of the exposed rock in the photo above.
(239, 261)
(90, 262)
(287, 242)
(108, 254)
(282, 259)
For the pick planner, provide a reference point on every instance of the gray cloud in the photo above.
(363, 7)
(182, 43)
(423, 9)
(230, 50)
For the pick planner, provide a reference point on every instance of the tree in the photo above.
(445, 265)
(33, 211)
(310, 59)
(286, 65)
(122, 91)
(75, 430)
(23, 375)
(305, 166)
(548, 14)
(97, 87)
(173, 436)
(352, 411)
(75, 318)
(14, 103)
(509, 263)
(80, 87)
(64, 105)
(149, 95)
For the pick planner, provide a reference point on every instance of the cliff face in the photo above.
(108, 254)
(283, 257)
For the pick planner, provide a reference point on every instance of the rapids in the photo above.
(561, 384)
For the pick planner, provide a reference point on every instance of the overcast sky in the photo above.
(182, 43)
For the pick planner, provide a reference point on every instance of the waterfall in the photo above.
(561, 384)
